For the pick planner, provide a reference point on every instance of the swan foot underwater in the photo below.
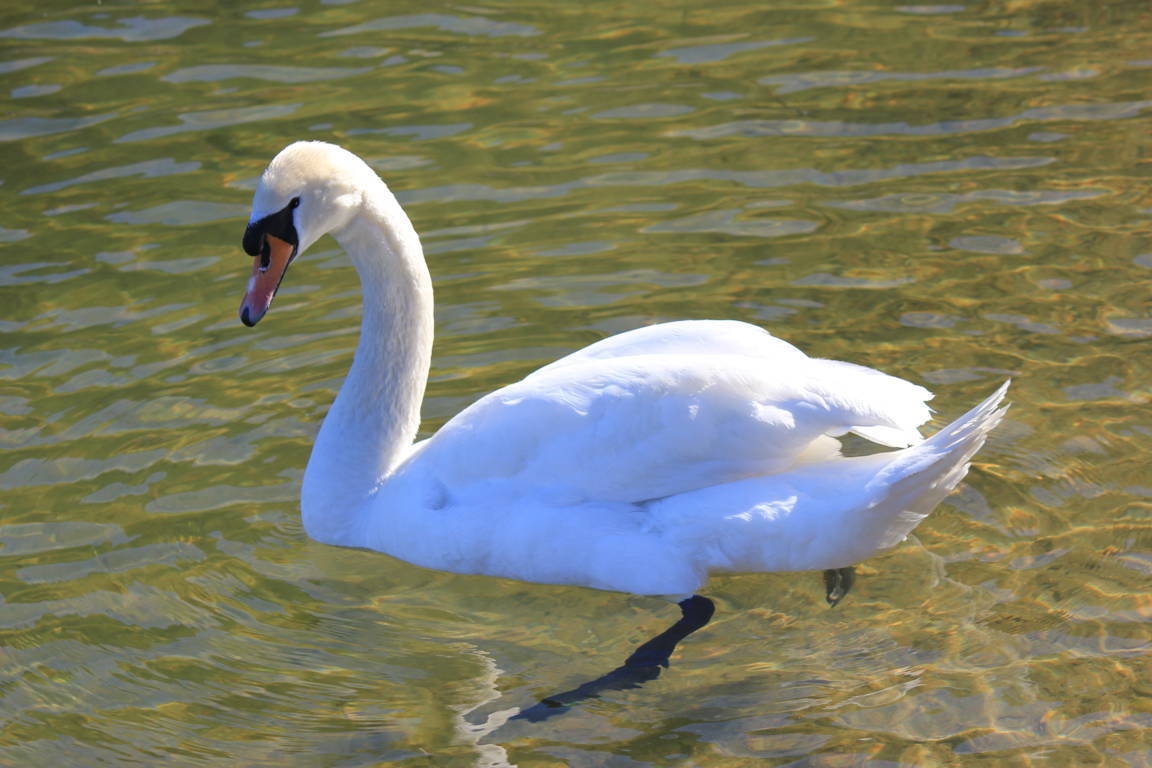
(642, 463)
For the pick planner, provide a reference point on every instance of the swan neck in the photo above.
(374, 420)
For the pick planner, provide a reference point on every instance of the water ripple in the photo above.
(181, 213)
(707, 53)
(132, 29)
(945, 203)
(726, 221)
(209, 120)
(215, 73)
(755, 128)
(16, 65)
(146, 169)
(801, 82)
(18, 128)
(463, 25)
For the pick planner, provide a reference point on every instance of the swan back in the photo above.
(648, 414)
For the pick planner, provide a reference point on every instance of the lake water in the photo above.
(952, 193)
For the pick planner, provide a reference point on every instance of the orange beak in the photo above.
(268, 270)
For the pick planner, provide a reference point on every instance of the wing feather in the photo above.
(653, 416)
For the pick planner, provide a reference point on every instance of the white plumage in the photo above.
(640, 463)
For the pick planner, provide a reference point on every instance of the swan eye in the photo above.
(279, 224)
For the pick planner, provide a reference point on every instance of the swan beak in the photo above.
(268, 270)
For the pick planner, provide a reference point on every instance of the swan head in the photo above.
(309, 189)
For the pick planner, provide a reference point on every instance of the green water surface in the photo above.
(953, 193)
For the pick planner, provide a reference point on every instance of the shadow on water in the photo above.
(649, 658)
(642, 666)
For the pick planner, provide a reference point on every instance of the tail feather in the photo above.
(829, 514)
(920, 477)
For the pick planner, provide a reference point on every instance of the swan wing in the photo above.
(686, 337)
(638, 427)
(732, 337)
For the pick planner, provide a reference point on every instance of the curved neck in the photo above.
(372, 423)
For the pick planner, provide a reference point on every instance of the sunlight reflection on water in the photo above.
(951, 194)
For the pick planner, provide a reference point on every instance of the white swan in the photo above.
(641, 463)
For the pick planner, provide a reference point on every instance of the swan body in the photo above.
(641, 463)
